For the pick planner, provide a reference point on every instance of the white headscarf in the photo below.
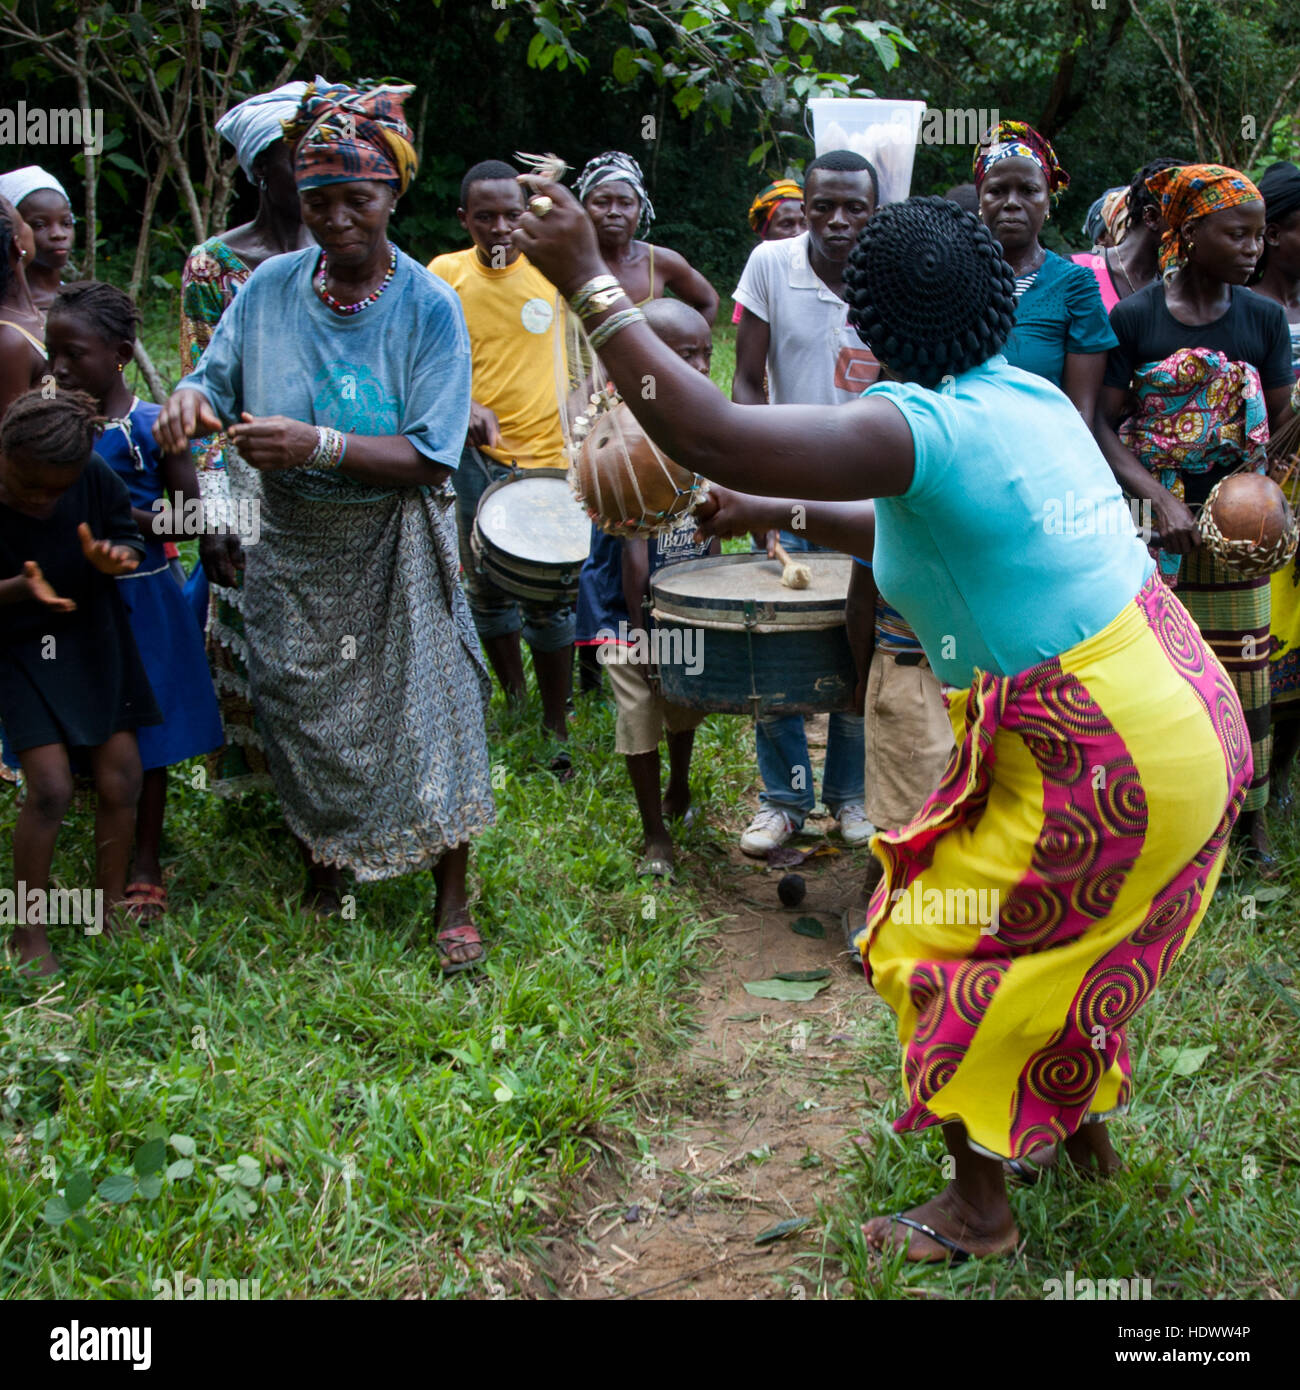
(33, 179)
(256, 123)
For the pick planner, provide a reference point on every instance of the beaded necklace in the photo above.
(356, 308)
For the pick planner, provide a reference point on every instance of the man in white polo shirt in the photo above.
(794, 330)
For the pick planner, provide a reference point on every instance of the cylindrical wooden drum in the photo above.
(530, 537)
(732, 638)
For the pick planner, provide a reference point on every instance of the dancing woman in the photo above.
(1101, 753)
(348, 366)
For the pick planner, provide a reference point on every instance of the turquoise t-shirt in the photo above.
(1060, 312)
(1014, 542)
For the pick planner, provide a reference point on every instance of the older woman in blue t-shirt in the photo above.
(1061, 330)
(1076, 838)
(348, 368)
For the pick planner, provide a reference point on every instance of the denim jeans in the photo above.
(783, 761)
(497, 614)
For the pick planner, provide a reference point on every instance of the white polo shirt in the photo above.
(814, 357)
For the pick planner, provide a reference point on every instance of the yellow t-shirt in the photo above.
(511, 318)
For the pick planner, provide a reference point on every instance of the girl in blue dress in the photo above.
(90, 336)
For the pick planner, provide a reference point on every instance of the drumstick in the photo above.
(793, 576)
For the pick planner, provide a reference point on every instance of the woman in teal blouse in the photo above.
(1061, 330)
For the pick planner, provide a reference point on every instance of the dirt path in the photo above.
(760, 1111)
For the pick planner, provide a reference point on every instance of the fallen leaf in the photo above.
(823, 974)
(782, 1229)
(742, 1018)
(808, 926)
(1185, 1061)
(793, 991)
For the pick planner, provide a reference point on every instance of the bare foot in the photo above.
(322, 901)
(978, 1233)
(35, 954)
(1091, 1151)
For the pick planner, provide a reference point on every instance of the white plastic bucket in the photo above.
(881, 129)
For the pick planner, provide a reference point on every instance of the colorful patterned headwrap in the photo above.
(1114, 213)
(771, 198)
(1016, 140)
(616, 167)
(1191, 191)
(348, 134)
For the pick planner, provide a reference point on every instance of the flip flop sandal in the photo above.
(144, 902)
(656, 868)
(1021, 1170)
(466, 934)
(956, 1254)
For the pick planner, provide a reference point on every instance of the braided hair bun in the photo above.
(928, 290)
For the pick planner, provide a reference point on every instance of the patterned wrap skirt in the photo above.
(366, 676)
(1234, 616)
(1087, 806)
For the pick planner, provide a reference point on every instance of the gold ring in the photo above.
(540, 205)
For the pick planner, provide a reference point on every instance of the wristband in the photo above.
(606, 288)
(331, 445)
(616, 323)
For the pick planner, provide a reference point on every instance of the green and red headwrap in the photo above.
(1016, 140)
(771, 198)
(1190, 191)
(346, 134)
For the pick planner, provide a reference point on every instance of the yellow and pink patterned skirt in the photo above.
(1088, 804)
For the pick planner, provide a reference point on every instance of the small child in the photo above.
(643, 714)
(71, 679)
(90, 338)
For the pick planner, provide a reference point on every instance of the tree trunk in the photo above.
(157, 386)
(81, 45)
(140, 268)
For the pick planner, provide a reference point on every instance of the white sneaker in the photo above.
(854, 825)
(766, 831)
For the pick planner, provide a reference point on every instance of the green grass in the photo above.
(420, 1133)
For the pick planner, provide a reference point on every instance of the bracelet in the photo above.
(331, 446)
(583, 300)
(616, 323)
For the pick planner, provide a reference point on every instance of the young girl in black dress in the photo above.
(71, 679)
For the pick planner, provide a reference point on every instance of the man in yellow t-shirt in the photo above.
(509, 308)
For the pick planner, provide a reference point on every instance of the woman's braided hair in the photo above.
(928, 290)
(59, 429)
(108, 310)
(7, 235)
(1140, 197)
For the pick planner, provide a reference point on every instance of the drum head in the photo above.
(535, 518)
(746, 591)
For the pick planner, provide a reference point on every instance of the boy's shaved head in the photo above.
(683, 329)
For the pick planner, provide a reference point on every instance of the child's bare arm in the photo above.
(636, 578)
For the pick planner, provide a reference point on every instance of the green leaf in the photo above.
(793, 991)
(502, 31)
(153, 1130)
(47, 1129)
(1185, 1061)
(182, 1168)
(1269, 893)
(502, 1094)
(695, 19)
(549, 30)
(77, 1191)
(535, 47)
(118, 1188)
(183, 1145)
(823, 974)
(273, 1184)
(808, 926)
(168, 73)
(227, 1172)
(782, 1229)
(56, 1211)
(643, 36)
(624, 66)
(78, 1226)
(151, 1186)
(149, 1157)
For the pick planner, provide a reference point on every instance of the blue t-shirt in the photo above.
(1014, 542)
(1060, 312)
(131, 452)
(401, 366)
